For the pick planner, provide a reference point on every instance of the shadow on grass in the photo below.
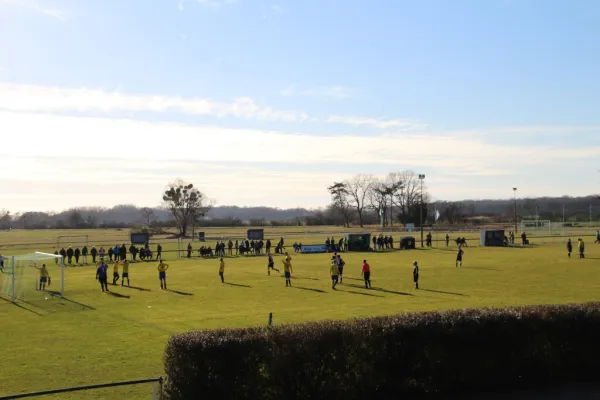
(83, 305)
(8, 302)
(309, 289)
(302, 277)
(356, 279)
(484, 269)
(180, 293)
(379, 290)
(442, 292)
(237, 284)
(141, 289)
(360, 293)
(119, 295)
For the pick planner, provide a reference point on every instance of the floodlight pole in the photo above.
(13, 279)
(421, 177)
(515, 201)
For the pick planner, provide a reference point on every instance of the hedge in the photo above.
(412, 354)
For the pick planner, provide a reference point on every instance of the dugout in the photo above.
(256, 234)
(139, 237)
(359, 241)
(407, 243)
(201, 237)
(492, 238)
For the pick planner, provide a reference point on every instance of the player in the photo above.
(271, 264)
(366, 274)
(287, 270)
(597, 237)
(581, 247)
(447, 240)
(222, 270)
(125, 265)
(334, 272)
(340, 264)
(569, 248)
(102, 275)
(162, 274)
(459, 256)
(416, 274)
(44, 277)
(1, 262)
(116, 273)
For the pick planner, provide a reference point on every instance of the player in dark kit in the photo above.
(102, 275)
(569, 247)
(416, 274)
(271, 265)
(459, 256)
(340, 264)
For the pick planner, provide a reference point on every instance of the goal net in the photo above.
(23, 278)
(537, 227)
(71, 241)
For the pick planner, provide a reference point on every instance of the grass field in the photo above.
(92, 337)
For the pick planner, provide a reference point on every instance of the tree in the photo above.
(339, 197)
(358, 188)
(453, 212)
(530, 205)
(148, 215)
(407, 196)
(5, 219)
(186, 204)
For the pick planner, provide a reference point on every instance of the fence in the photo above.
(157, 393)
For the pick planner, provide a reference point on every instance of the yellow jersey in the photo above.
(287, 266)
(44, 272)
(222, 266)
(125, 267)
(334, 270)
(116, 268)
(162, 267)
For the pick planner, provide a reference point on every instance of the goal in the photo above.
(72, 241)
(538, 227)
(20, 277)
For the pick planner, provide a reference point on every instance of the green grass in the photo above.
(93, 337)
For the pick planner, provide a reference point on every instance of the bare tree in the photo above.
(407, 195)
(186, 204)
(378, 199)
(530, 205)
(148, 215)
(358, 189)
(454, 212)
(340, 202)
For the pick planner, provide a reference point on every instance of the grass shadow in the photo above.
(8, 302)
(380, 290)
(56, 294)
(442, 292)
(237, 284)
(356, 279)
(119, 295)
(302, 277)
(309, 289)
(180, 293)
(361, 293)
(141, 289)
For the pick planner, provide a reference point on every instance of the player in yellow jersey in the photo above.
(125, 265)
(116, 273)
(287, 270)
(162, 274)
(334, 271)
(222, 270)
(44, 277)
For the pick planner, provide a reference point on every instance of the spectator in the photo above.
(84, 254)
(111, 251)
(77, 254)
(63, 254)
(123, 252)
(70, 255)
(158, 251)
(94, 254)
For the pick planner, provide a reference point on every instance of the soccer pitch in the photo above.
(93, 337)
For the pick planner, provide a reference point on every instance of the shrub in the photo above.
(414, 354)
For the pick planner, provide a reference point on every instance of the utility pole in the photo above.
(421, 178)
(515, 214)
(590, 215)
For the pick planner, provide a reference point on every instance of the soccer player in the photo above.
(581, 246)
(125, 265)
(271, 264)
(102, 275)
(162, 274)
(116, 273)
(597, 237)
(459, 256)
(287, 270)
(334, 272)
(222, 270)
(366, 273)
(447, 240)
(340, 264)
(416, 274)
(44, 277)
(569, 248)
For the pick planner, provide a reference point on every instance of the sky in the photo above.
(261, 102)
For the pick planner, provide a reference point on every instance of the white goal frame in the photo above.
(37, 256)
(536, 225)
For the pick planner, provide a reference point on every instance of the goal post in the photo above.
(21, 277)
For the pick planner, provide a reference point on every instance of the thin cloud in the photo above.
(377, 123)
(334, 92)
(36, 7)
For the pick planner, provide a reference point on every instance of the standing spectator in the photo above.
(416, 274)
(131, 251)
(77, 254)
(111, 251)
(524, 238)
(237, 248)
(447, 240)
(158, 251)
(346, 243)
(94, 254)
(117, 252)
(70, 255)
(123, 252)
(2, 262)
(101, 252)
(230, 247)
(63, 254)
(374, 242)
(268, 246)
(189, 250)
(56, 254)
(84, 254)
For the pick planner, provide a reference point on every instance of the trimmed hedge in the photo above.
(414, 354)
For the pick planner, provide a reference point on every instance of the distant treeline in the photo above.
(571, 209)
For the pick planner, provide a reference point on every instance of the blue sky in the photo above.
(267, 102)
